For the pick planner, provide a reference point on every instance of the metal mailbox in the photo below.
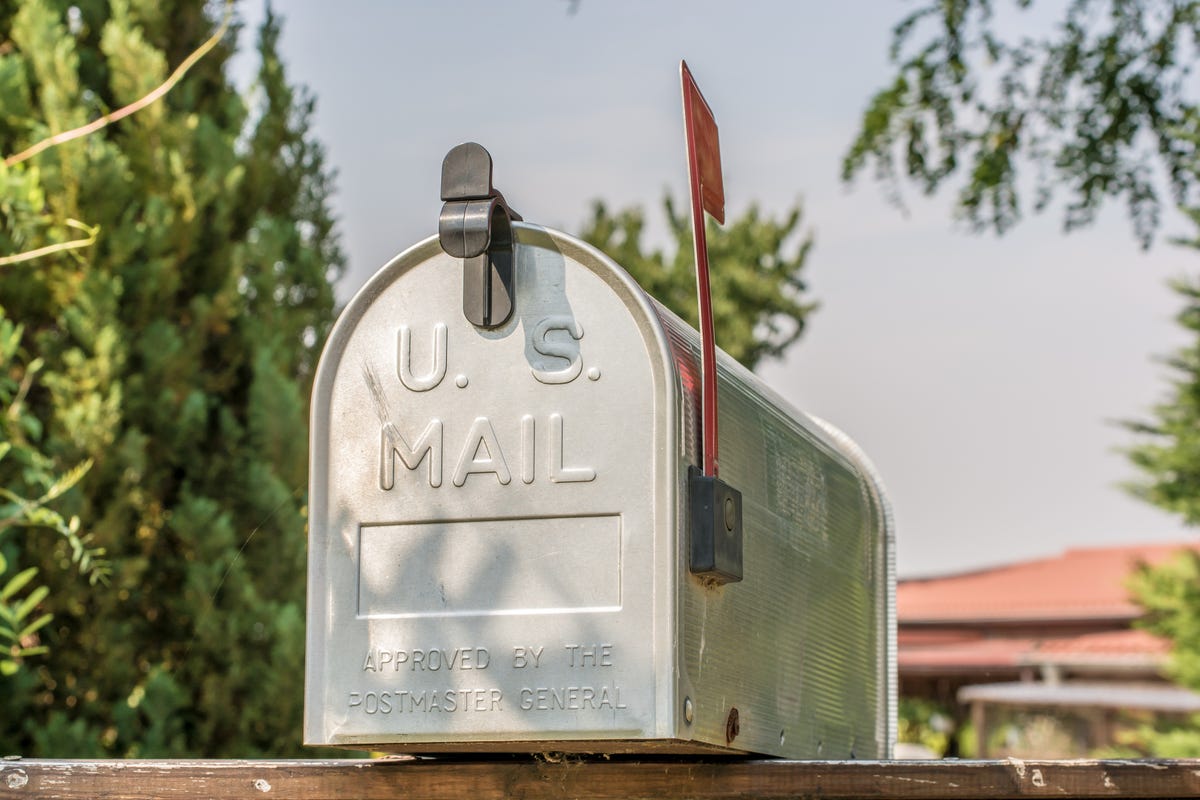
(500, 552)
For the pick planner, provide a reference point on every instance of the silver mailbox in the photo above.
(499, 541)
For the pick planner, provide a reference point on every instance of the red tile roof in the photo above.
(1081, 584)
(967, 653)
(963, 655)
(1105, 645)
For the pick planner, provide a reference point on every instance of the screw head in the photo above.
(733, 726)
(730, 515)
(689, 711)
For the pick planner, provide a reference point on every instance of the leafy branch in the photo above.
(151, 97)
(1099, 109)
(95, 125)
(21, 463)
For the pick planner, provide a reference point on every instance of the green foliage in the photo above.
(1170, 593)
(1164, 738)
(1168, 454)
(754, 265)
(1169, 450)
(925, 722)
(175, 355)
(1098, 107)
(27, 484)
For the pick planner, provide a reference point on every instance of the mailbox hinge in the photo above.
(476, 226)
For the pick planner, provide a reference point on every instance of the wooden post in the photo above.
(979, 720)
(619, 778)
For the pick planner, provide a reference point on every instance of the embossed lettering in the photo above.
(567, 350)
(421, 383)
(427, 701)
(481, 439)
(559, 473)
(481, 453)
(394, 444)
(527, 448)
(432, 660)
(526, 656)
(570, 698)
(589, 655)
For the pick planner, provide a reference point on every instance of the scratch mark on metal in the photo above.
(376, 389)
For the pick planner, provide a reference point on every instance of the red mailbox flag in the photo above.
(704, 147)
(708, 194)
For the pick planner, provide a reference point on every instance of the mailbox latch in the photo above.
(716, 511)
(476, 226)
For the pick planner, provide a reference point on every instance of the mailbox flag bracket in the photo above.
(716, 511)
(715, 506)
(476, 226)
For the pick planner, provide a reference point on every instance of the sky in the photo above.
(985, 376)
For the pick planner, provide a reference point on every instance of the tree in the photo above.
(1170, 593)
(1168, 452)
(177, 339)
(1100, 108)
(1168, 456)
(755, 267)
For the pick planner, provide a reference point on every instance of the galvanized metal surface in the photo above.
(498, 551)
(803, 646)
(484, 565)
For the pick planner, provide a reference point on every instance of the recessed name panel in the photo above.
(490, 567)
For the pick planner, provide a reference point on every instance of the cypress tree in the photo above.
(177, 348)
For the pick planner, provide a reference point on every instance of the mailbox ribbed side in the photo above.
(800, 648)
(889, 723)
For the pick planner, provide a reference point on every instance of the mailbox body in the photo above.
(498, 533)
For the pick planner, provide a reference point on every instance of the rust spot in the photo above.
(732, 726)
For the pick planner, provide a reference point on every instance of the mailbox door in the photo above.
(490, 536)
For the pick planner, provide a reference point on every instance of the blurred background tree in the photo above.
(1103, 109)
(755, 268)
(176, 340)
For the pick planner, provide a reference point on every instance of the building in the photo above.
(1052, 638)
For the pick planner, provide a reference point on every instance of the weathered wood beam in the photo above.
(624, 779)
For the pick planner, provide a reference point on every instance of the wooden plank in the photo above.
(527, 779)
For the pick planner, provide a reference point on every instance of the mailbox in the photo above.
(501, 538)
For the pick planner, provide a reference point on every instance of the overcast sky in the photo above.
(983, 375)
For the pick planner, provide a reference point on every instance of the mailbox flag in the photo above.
(704, 145)
(708, 194)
